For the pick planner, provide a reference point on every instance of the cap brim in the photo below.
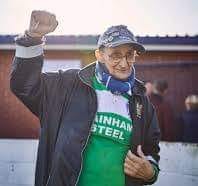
(137, 46)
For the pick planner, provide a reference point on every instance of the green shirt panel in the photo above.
(109, 142)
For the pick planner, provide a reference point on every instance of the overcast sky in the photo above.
(79, 17)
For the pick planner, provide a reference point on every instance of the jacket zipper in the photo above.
(81, 165)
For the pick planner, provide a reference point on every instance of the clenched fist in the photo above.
(41, 23)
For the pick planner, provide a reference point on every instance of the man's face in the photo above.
(119, 60)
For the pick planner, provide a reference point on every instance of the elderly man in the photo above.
(97, 126)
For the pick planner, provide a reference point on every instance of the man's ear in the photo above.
(99, 56)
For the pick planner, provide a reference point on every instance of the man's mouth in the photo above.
(122, 70)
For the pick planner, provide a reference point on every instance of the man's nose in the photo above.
(123, 63)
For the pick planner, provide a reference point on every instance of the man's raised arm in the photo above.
(25, 81)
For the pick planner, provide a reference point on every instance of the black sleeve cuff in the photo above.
(155, 176)
(27, 41)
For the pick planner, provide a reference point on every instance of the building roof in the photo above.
(89, 42)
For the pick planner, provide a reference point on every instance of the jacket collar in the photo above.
(86, 74)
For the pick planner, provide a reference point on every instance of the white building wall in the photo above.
(179, 163)
(17, 162)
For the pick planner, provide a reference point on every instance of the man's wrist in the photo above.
(155, 173)
(33, 35)
(27, 41)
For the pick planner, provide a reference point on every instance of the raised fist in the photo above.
(41, 23)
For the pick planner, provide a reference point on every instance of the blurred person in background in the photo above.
(164, 111)
(189, 120)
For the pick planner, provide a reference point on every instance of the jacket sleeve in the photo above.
(151, 141)
(26, 76)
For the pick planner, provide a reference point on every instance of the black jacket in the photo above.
(189, 126)
(50, 96)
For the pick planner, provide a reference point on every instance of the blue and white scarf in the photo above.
(114, 85)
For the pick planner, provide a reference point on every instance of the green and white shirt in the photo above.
(109, 141)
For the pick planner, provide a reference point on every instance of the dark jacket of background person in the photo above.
(189, 124)
(165, 117)
(53, 96)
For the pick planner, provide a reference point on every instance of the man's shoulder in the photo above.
(69, 75)
(69, 72)
(139, 82)
(139, 87)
